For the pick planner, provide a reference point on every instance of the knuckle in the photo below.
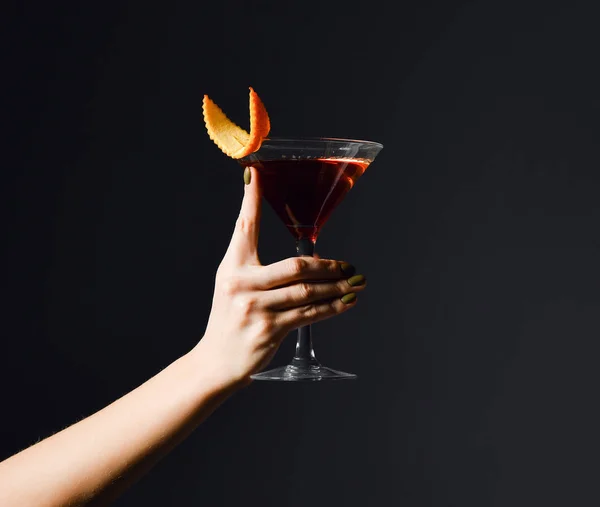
(230, 285)
(335, 306)
(265, 327)
(310, 312)
(306, 290)
(328, 309)
(243, 224)
(341, 288)
(297, 265)
(332, 267)
(246, 304)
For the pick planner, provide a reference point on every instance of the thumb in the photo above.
(243, 247)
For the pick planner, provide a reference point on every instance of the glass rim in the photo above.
(339, 140)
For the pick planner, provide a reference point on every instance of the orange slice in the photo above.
(234, 141)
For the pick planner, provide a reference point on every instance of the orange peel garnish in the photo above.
(233, 140)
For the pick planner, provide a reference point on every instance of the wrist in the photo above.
(212, 372)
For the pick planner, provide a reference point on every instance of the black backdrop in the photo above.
(476, 343)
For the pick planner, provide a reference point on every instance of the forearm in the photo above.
(91, 462)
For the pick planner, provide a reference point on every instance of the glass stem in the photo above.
(305, 355)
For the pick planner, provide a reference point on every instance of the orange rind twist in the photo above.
(232, 140)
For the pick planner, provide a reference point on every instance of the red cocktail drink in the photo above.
(304, 192)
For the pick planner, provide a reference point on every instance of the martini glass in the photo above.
(304, 180)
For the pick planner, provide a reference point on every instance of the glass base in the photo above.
(313, 372)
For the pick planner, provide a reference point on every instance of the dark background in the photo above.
(478, 227)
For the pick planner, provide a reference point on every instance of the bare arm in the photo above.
(91, 462)
(254, 308)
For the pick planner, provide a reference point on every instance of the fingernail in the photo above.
(348, 298)
(247, 176)
(347, 269)
(356, 280)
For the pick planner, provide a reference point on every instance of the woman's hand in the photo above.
(255, 306)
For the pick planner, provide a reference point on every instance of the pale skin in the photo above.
(254, 308)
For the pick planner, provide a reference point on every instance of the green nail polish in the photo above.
(247, 176)
(356, 280)
(347, 269)
(348, 298)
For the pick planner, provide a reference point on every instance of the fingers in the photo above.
(303, 293)
(297, 269)
(309, 314)
(243, 247)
